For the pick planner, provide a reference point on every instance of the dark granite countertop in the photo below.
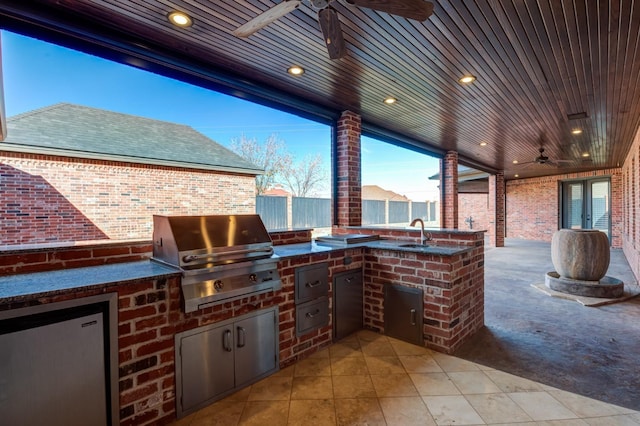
(293, 250)
(48, 283)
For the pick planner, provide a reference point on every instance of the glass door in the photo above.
(598, 207)
(586, 205)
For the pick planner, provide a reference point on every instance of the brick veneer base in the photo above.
(150, 311)
(453, 292)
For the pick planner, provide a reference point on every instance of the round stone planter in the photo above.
(580, 254)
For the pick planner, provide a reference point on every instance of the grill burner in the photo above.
(222, 257)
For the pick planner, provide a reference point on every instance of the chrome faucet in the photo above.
(423, 237)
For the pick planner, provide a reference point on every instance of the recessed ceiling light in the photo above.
(467, 79)
(515, 161)
(180, 19)
(585, 154)
(483, 144)
(576, 131)
(295, 70)
(390, 100)
(516, 175)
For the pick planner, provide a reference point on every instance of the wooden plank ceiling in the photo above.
(537, 62)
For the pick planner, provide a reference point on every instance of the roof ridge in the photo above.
(86, 107)
(37, 111)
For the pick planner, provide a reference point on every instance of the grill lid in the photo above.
(193, 242)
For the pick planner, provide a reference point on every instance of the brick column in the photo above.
(496, 210)
(449, 190)
(348, 203)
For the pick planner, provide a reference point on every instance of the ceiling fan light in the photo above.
(295, 70)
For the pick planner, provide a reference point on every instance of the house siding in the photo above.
(46, 199)
(533, 205)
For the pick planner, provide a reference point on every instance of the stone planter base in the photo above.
(607, 287)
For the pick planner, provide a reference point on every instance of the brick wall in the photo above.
(23, 261)
(475, 206)
(449, 181)
(150, 314)
(348, 179)
(497, 210)
(453, 291)
(533, 205)
(51, 199)
(630, 182)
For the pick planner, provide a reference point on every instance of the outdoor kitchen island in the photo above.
(150, 311)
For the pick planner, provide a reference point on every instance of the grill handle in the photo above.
(316, 283)
(226, 341)
(412, 318)
(193, 257)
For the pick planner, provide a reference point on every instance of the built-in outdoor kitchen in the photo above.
(220, 305)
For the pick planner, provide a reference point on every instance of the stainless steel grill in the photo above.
(222, 257)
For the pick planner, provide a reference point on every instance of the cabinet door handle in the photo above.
(226, 341)
(413, 317)
(241, 337)
(312, 314)
(313, 284)
(348, 280)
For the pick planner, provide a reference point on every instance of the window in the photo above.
(396, 185)
(95, 148)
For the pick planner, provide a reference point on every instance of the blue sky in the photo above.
(37, 74)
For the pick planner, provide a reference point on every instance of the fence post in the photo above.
(289, 211)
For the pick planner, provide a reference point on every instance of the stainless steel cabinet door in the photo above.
(255, 346)
(348, 295)
(403, 312)
(207, 365)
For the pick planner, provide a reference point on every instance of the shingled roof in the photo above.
(84, 132)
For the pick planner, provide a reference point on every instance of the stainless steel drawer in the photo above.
(312, 315)
(312, 281)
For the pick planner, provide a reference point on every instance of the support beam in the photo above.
(449, 190)
(497, 208)
(348, 201)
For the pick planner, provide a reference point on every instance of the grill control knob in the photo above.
(253, 278)
(218, 284)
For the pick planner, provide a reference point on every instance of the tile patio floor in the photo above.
(370, 379)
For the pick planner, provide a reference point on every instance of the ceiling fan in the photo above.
(544, 160)
(328, 19)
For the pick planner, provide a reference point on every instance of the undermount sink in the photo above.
(414, 245)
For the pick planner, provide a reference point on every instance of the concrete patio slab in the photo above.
(593, 352)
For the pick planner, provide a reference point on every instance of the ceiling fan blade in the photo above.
(419, 10)
(266, 17)
(332, 32)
